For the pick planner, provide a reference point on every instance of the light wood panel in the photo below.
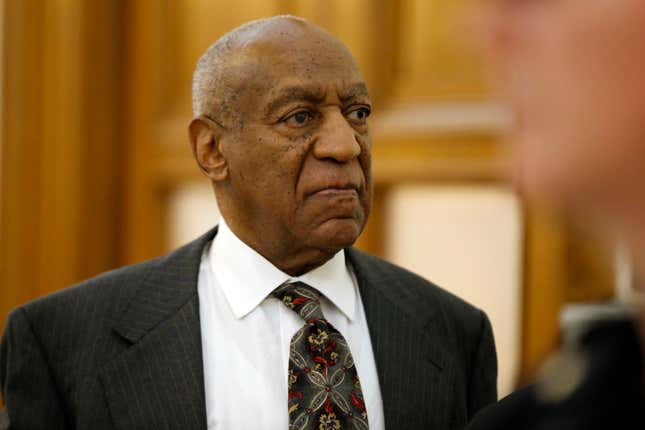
(59, 145)
(145, 65)
(21, 167)
(436, 60)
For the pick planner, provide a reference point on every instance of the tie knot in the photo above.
(300, 298)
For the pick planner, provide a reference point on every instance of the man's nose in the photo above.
(337, 139)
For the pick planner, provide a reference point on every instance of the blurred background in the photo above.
(96, 171)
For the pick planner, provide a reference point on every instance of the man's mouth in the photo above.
(337, 192)
(347, 190)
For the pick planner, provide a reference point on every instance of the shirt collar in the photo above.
(247, 278)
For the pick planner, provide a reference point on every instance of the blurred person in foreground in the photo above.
(574, 73)
(272, 320)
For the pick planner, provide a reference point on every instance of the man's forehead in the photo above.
(315, 94)
(304, 55)
(318, 90)
(284, 76)
(285, 72)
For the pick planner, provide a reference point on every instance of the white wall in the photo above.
(192, 210)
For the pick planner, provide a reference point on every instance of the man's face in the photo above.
(299, 154)
(575, 75)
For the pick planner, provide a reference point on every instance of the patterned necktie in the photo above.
(324, 390)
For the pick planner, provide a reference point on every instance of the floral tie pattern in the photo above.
(324, 390)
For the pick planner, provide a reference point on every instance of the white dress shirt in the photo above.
(246, 334)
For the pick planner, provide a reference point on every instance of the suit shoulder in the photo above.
(105, 296)
(105, 290)
(118, 285)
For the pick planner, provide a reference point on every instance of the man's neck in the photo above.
(292, 261)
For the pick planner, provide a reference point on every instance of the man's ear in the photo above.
(205, 135)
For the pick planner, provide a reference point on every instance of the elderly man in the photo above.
(271, 320)
(575, 72)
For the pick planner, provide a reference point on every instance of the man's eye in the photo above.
(298, 119)
(359, 115)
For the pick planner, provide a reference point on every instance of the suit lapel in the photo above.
(157, 382)
(415, 372)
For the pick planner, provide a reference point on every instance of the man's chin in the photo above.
(336, 234)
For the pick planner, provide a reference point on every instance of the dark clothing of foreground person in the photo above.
(606, 392)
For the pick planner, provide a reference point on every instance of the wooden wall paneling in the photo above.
(384, 33)
(60, 80)
(81, 96)
(143, 210)
(102, 135)
(21, 141)
(435, 58)
(544, 286)
(461, 158)
(61, 182)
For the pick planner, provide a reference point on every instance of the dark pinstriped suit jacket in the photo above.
(123, 350)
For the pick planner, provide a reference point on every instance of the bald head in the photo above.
(243, 56)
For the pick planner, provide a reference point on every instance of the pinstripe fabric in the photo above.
(434, 353)
(158, 382)
(123, 350)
